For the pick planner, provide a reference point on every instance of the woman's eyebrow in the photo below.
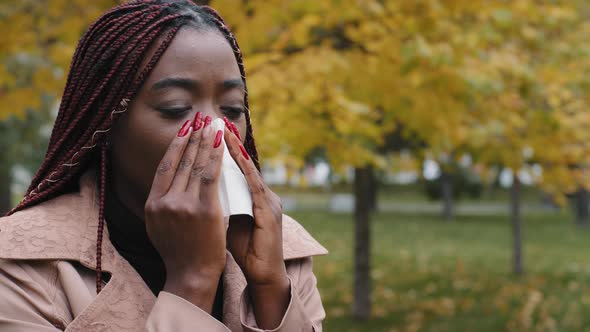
(233, 83)
(180, 82)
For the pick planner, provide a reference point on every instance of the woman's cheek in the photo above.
(147, 139)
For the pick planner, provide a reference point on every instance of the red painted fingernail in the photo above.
(227, 123)
(235, 130)
(197, 122)
(217, 141)
(184, 129)
(244, 153)
(207, 121)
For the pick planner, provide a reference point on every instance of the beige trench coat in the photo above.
(47, 281)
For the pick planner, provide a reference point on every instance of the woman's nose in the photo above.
(209, 110)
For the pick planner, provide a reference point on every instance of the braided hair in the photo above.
(104, 76)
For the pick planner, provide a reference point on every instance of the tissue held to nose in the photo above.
(234, 194)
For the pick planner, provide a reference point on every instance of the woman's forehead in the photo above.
(197, 54)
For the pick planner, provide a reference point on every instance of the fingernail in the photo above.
(217, 141)
(227, 123)
(198, 121)
(184, 129)
(235, 130)
(244, 153)
(207, 121)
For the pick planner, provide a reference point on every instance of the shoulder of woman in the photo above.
(297, 242)
(54, 229)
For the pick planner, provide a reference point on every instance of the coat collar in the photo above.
(65, 228)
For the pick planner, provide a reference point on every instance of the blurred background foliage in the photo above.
(381, 87)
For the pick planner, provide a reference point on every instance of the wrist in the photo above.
(270, 302)
(198, 289)
(270, 286)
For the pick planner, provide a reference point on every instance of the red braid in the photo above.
(103, 176)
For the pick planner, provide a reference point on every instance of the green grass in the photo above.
(434, 276)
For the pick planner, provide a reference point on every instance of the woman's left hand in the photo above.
(257, 246)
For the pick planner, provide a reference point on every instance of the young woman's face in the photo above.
(197, 73)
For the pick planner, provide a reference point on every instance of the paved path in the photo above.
(345, 203)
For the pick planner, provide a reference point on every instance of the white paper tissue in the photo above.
(234, 193)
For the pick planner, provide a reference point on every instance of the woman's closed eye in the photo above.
(232, 112)
(174, 111)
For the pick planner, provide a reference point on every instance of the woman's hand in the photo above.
(257, 246)
(183, 215)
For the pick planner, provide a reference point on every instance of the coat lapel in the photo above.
(125, 302)
(65, 228)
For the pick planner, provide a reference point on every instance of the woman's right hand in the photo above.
(183, 215)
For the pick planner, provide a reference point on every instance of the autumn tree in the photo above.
(564, 72)
(528, 91)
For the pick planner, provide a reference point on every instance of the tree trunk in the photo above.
(373, 187)
(362, 284)
(515, 216)
(4, 190)
(446, 182)
(581, 207)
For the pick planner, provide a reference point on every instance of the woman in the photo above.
(132, 147)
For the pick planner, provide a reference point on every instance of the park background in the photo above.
(438, 148)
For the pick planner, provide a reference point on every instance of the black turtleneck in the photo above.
(128, 234)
